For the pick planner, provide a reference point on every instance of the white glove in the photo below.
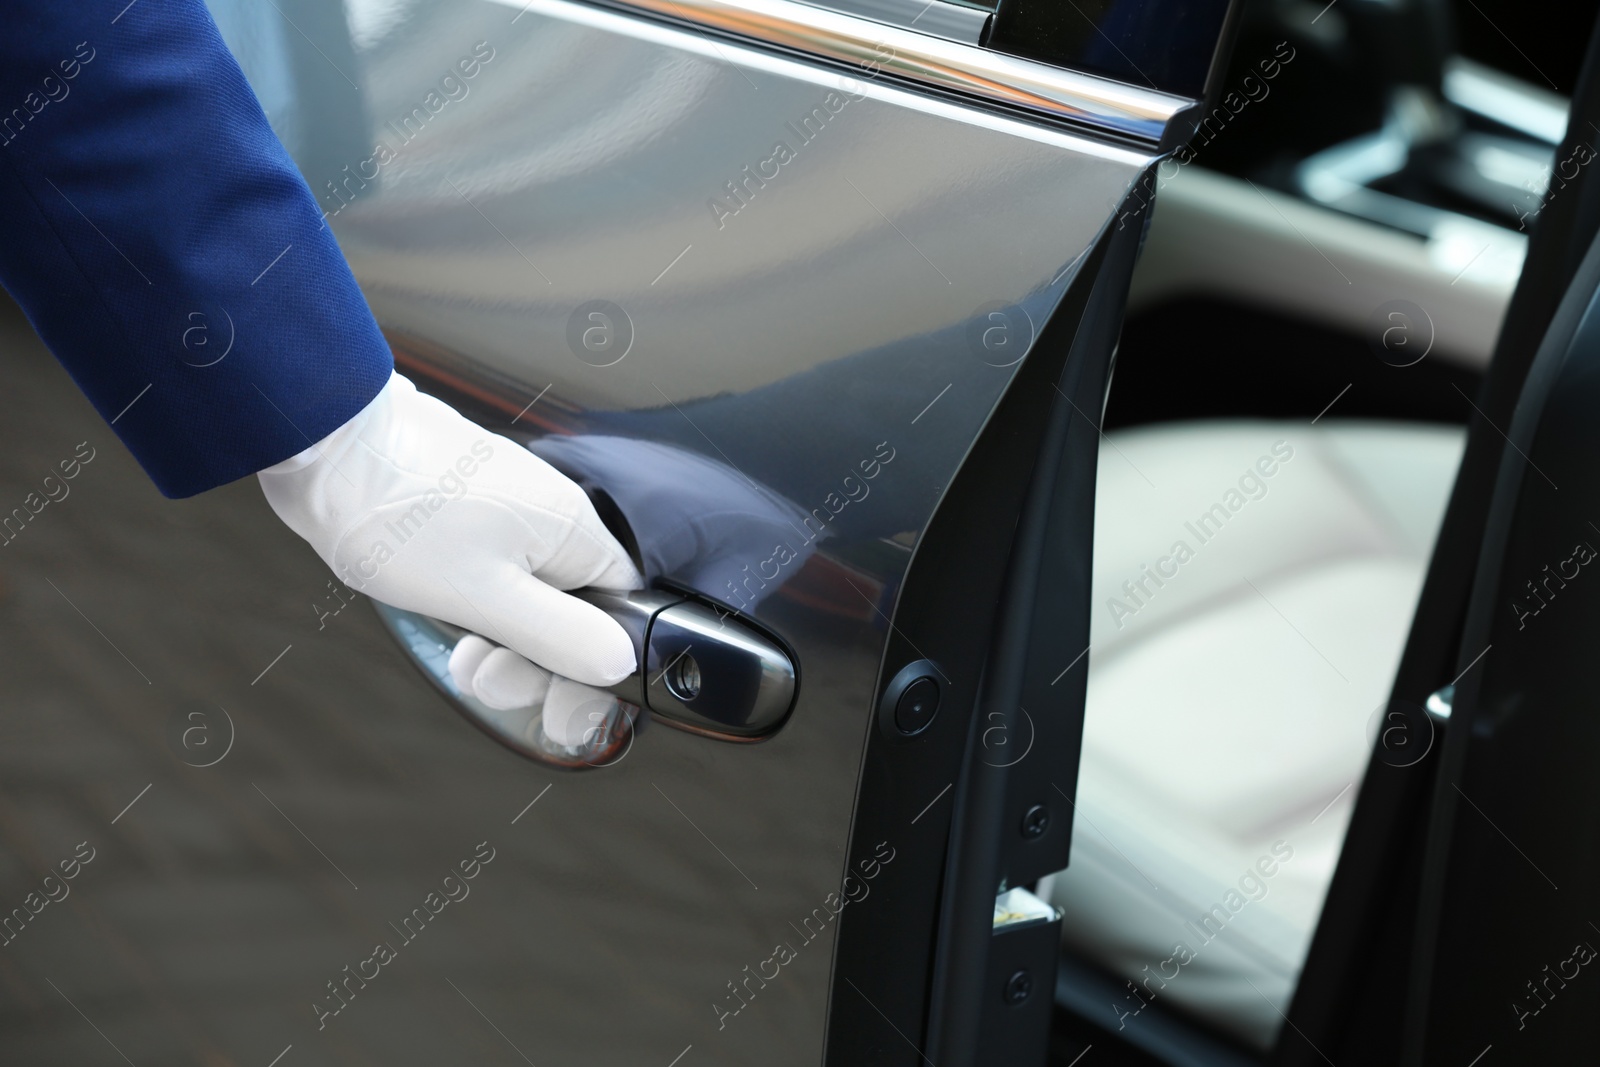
(574, 714)
(421, 509)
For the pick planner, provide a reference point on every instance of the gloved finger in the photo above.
(505, 680)
(576, 714)
(561, 633)
(588, 556)
(466, 658)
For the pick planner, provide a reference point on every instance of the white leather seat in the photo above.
(1231, 706)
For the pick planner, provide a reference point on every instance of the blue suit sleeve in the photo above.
(162, 243)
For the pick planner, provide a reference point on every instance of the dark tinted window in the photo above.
(1161, 44)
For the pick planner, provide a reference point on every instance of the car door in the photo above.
(820, 308)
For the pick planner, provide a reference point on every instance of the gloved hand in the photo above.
(421, 509)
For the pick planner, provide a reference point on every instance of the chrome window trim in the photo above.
(1127, 111)
(613, 18)
(953, 22)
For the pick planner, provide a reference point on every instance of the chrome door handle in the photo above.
(702, 670)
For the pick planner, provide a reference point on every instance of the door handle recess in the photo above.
(699, 669)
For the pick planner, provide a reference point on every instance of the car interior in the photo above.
(1281, 439)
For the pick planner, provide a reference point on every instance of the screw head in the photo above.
(910, 702)
(917, 706)
(1036, 821)
(1018, 987)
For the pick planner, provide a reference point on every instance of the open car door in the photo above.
(820, 308)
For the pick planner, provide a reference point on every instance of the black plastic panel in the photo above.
(884, 961)
(1365, 953)
(1514, 866)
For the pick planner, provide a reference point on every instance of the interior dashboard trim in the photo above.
(1126, 111)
